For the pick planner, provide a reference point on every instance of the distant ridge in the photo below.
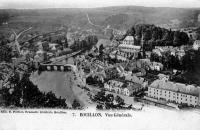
(119, 17)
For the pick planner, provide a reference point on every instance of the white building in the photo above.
(196, 45)
(129, 40)
(128, 44)
(164, 90)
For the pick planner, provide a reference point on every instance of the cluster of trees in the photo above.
(5, 50)
(5, 53)
(197, 36)
(156, 36)
(186, 63)
(111, 73)
(94, 80)
(85, 44)
(108, 100)
(169, 61)
(76, 105)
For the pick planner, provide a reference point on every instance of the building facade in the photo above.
(196, 45)
(174, 92)
(126, 88)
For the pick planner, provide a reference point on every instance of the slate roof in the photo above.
(176, 87)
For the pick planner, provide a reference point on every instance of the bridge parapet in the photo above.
(50, 67)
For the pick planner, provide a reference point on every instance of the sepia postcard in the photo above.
(100, 64)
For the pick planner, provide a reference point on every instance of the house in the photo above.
(148, 54)
(126, 88)
(170, 92)
(196, 45)
(114, 86)
(157, 51)
(180, 53)
(133, 88)
(163, 77)
(24, 51)
(138, 80)
(147, 64)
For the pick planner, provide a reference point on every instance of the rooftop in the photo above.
(176, 87)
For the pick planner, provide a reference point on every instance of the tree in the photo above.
(147, 35)
(188, 60)
(91, 40)
(119, 100)
(131, 31)
(155, 35)
(76, 105)
(100, 96)
(111, 37)
(184, 39)
(109, 98)
(45, 46)
(5, 53)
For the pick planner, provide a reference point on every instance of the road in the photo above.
(102, 27)
(89, 21)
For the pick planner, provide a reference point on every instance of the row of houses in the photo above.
(175, 51)
(147, 64)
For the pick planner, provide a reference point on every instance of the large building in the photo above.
(128, 44)
(170, 92)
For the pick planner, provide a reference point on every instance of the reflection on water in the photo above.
(58, 82)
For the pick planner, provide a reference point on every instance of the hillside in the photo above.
(120, 17)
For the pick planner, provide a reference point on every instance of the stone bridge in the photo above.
(52, 67)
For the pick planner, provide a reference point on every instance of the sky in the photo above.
(32, 4)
